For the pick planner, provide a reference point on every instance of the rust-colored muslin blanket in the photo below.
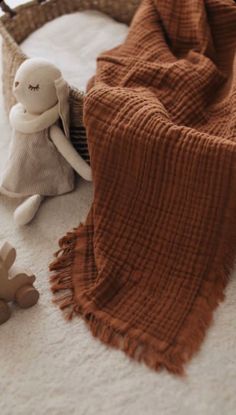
(151, 262)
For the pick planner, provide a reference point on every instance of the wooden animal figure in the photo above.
(15, 284)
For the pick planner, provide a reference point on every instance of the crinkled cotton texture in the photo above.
(151, 262)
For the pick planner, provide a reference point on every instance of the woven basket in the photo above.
(17, 24)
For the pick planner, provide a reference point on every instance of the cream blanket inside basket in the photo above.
(74, 41)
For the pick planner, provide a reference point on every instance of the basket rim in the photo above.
(9, 23)
(6, 19)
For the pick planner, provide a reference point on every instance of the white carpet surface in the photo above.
(51, 367)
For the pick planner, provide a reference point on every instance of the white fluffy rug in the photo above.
(51, 367)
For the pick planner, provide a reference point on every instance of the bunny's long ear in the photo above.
(62, 89)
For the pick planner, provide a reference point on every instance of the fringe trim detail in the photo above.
(140, 346)
(61, 283)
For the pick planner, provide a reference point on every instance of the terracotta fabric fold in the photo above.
(151, 262)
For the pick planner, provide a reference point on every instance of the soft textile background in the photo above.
(52, 367)
(102, 34)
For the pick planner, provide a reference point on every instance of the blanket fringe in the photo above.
(141, 347)
(61, 282)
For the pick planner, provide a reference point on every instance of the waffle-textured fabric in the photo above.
(151, 262)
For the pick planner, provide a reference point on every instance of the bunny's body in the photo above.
(36, 153)
(41, 158)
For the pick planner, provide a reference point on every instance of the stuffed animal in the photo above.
(41, 159)
(19, 287)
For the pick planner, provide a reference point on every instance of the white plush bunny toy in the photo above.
(41, 159)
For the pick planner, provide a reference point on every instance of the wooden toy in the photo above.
(15, 284)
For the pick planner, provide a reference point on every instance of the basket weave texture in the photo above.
(33, 15)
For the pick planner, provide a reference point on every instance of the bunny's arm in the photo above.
(69, 153)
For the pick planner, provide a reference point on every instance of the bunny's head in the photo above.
(38, 86)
